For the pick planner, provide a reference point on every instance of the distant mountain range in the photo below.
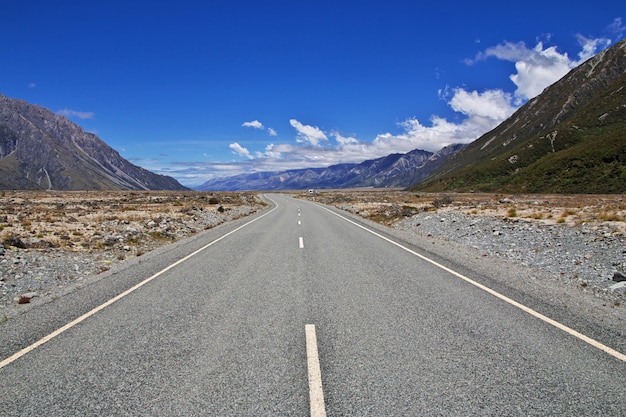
(43, 150)
(395, 170)
(569, 139)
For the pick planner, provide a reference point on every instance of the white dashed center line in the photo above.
(301, 242)
(316, 393)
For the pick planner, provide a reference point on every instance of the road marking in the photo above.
(299, 222)
(301, 242)
(85, 316)
(316, 393)
(569, 330)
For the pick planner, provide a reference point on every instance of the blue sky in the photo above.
(202, 89)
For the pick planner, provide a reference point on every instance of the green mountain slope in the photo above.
(570, 139)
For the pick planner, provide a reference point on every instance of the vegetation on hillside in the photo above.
(577, 144)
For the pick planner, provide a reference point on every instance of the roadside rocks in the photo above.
(588, 256)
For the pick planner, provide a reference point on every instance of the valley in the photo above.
(53, 242)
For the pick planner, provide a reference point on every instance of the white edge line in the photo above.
(316, 393)
(522, 307)
(74, 322)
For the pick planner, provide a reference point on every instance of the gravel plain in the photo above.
(55, 242)
(574, 244)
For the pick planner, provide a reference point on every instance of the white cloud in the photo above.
(73, 113)
(255, 124)
(343, 140)
(240, 150)
(271, 132)
(539, 67)
(536, 68)
(617, 28)
(312, 135)
(492, 104)
(590, 47)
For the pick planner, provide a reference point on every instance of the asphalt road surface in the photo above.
(297, 311)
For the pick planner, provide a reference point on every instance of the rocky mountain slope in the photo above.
(43, 150)
(395, 170)
(569, 139)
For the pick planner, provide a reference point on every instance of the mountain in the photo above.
(569, 139)
(43, 150)
(395, 170)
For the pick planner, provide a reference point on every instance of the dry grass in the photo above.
(389, 206)
(73, 221)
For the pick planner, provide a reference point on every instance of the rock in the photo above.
(15, 242)
(507, 201)
(31, 294)
(619, 276)
(25, 298)
(38, 243)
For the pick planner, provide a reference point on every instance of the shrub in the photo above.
(512, 212)
(442, 201)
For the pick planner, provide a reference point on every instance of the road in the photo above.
(218, 325)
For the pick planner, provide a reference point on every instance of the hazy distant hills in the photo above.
(569, 139)
(395, 170)
(43, 150)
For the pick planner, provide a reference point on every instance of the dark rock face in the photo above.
(43, 150)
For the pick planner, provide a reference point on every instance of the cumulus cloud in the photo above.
(255, 124)
(344, 140)
(538, 67)
(312, 135)
(73, 113)
(240, 150)
(590, 47)
(258, 125)
(491, 104)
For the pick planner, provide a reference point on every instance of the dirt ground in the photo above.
(92, 220)
(83, 221)
(388, 206)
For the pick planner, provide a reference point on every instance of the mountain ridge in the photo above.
(394, 170)
(43, 150)
(569, 139)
